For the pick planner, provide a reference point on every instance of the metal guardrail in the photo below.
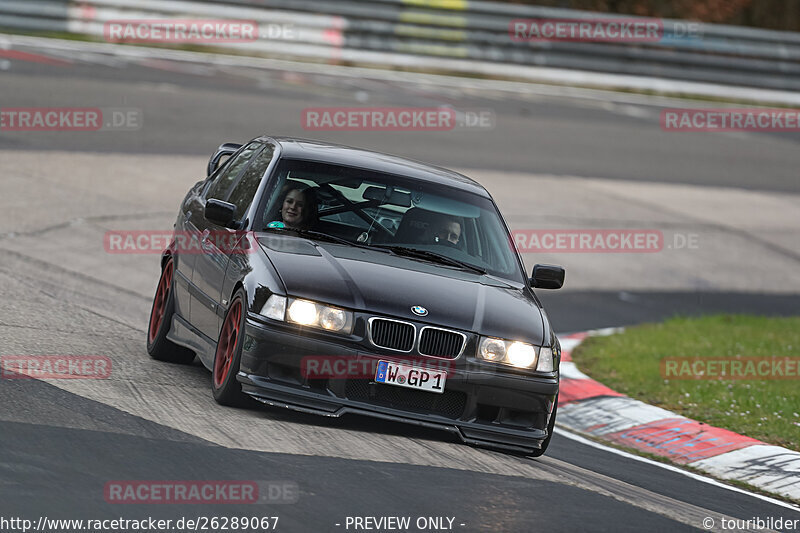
(451, 34)
(50, 16)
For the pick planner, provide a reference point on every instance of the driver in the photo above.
(298, 207)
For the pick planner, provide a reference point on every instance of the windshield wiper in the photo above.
(431, 256)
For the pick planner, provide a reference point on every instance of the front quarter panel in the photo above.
(253, 271)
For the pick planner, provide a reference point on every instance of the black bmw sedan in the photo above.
(335, 280)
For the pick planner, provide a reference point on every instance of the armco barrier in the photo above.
(422, 33)
(27, 15)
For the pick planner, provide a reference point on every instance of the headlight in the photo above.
(521, 355)
(516, 354)
(303, 312)
(308, 313)
(332, 318)
(493, 350)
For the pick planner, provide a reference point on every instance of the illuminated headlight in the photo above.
(303, 312)
(275, 308)
(521, 355)
(308, 313)
(516, 354)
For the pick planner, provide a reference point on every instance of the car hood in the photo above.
(385, 284)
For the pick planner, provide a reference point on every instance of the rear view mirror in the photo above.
(220, 213)
(225, 150)
(547, 277)
(401, 199)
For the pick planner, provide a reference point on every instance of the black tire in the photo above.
(158, 345)
(550, 427)
(226, 388)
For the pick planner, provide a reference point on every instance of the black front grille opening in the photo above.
(487, 414)
(449, 404)
(284, 373)
(504, 416)
(440, 343)
(392, 335)
(520, 419)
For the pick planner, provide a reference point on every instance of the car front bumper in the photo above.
(483, 407)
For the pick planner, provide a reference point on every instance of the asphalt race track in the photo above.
(551, 161)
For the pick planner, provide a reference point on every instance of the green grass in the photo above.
(630, 362)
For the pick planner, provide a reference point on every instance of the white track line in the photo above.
(577, 438)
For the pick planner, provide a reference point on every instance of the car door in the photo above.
(185, 254)
(210, 266)
(209, 260)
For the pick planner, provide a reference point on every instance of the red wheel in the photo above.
(158, 345)
(226, 347)
(226, 388)
(160, 301)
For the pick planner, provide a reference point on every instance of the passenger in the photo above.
(298, 207)
(448, 233)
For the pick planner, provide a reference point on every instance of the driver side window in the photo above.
(243, 192)
(223, 182)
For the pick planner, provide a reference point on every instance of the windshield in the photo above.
(387, 211)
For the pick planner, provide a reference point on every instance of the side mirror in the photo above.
(227, 149)
(547, 277)
(219, 212)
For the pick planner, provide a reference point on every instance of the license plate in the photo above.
(411, 377)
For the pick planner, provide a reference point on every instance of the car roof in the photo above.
(308, 150)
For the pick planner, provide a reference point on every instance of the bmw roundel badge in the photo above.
(419, 310)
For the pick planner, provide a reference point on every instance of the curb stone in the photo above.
(590, 408)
